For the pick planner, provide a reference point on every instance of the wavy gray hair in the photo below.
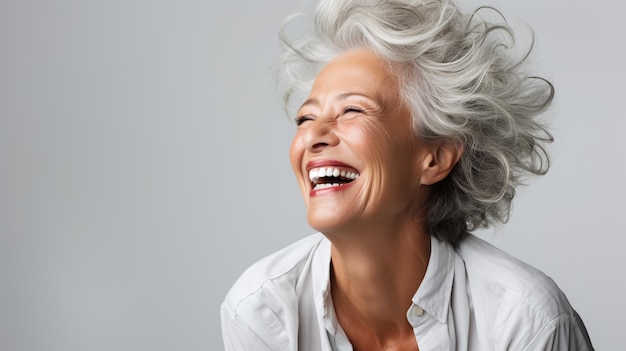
(461, 82)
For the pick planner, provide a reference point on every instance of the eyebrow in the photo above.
(342, 96)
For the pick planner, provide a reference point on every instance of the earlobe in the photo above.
(439, 161)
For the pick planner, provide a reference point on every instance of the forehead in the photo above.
(359, 71)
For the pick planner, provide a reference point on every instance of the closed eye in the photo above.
(301, 119)
(349, 109)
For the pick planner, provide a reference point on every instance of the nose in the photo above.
(321, 134)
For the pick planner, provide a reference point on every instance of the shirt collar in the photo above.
(434, 293)
(321, 288)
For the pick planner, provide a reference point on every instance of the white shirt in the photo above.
(473, 297)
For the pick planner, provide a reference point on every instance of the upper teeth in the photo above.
(316, 173)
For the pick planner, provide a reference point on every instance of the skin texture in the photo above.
(380, 249)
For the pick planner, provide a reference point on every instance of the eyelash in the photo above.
(353, 109)
(301, 119)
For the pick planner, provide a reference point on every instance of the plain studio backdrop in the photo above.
(143, 166)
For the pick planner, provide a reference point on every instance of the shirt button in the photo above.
(418, 311)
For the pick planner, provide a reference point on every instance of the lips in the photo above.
(330, 174)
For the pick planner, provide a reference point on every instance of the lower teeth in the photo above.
(323, 186)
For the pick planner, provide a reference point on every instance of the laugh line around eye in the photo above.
(348, 109)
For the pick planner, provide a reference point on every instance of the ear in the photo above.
(440, 160)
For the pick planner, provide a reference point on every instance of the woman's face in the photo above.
(354, 154)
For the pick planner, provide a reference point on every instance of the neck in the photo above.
(375, 272)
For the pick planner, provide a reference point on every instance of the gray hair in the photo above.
(462, 83)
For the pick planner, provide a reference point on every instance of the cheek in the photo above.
(374, 145)
(371, 140)
(296, 152)
(296, 155)
(390, 155)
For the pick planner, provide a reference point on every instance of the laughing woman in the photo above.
(417, 128)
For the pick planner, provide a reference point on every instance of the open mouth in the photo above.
(328, 177)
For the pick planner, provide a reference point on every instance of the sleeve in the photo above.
(564, 333)
(237, 335)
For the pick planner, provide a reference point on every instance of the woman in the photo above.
(417, 128)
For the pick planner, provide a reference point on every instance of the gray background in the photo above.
(143, 166)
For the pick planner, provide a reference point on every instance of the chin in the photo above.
(325, 220)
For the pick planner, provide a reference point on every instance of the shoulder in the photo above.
(517, 302)
(499, 271)
(262, 309)
(279, 270)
